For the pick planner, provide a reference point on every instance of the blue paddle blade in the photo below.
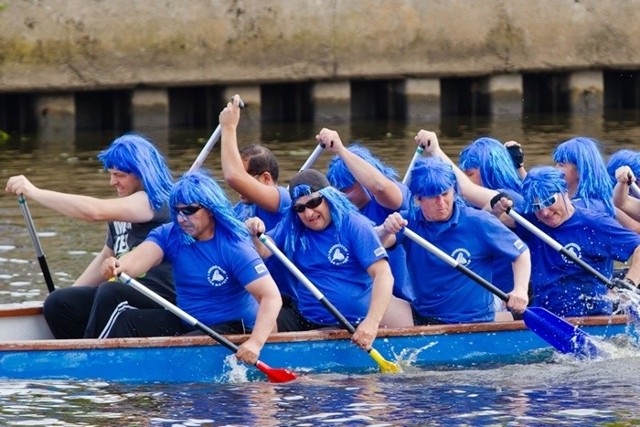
(562, 335)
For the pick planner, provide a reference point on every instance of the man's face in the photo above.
(438, 208)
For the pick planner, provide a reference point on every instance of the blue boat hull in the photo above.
(200, 359)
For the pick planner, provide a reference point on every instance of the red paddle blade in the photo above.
(276, 375)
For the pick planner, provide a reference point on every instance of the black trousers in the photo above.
(160, 322)
(290, 319)
(114, 310)
(89, 312)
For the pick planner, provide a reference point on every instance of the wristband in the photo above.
(517, 155)
(495, 199)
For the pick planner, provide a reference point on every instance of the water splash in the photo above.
(409, 356)
(237, 370)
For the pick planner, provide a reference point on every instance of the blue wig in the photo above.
(199, 187)
(339, 175)
(624, 157)
(339, 207)
(494, 162)
(593, 180)
(540, 184)
(132, 153)
(430, 177)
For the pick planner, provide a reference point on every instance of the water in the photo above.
(560, 392)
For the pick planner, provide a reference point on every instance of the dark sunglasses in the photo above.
(542, 204)
(187, 210)
(311, 204)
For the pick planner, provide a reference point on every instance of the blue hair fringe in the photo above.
(494, 162)
(339, 207)
(199, 187)
(541, 183)
(593, 179)
(623, 157)
(133, 153)
(339, 175)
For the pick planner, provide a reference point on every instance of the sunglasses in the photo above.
(187, 210)
(542, 204)
(311, 204)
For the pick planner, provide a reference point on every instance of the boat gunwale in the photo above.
(285, 337)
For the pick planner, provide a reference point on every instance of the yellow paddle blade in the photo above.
(385, 366)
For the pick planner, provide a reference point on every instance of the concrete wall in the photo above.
(58, 45)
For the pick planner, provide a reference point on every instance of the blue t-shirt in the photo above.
(475, 239)
(336, 262)
(245, 211)
(397, 256)
(595, 205)
(281, 275)
(211, 275)
(503, 271)
(560, 285)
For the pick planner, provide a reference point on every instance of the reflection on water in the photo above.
(558, 393)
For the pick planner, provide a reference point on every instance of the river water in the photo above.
(560, 392)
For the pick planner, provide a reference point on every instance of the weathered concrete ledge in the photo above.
(92, 44)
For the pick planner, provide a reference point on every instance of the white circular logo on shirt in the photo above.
(462, 256)
(575, 249)
(217, 276)
(338, 254)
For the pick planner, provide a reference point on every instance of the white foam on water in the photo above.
(583, 412)
(18, 261)
(408, 356)
(47, 234)
(38, 422)
(19, 283)
(320, 416)
(7, 247)
(238, 372)
(293, 398)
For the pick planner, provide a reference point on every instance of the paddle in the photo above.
(385, 365)
(313, 157)
(561, 334)
(36, 243)
(416, 156)
(274, 375)
(213, 140)
(564, 251)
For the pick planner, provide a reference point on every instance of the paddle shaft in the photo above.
(558, 247)
(384, 364)
(274, 374)
(128, 280)
(416, 155)
(562, 335)
(312, 158)
(306, 282)
(455, 264)
(213, 140)
(36, 243)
